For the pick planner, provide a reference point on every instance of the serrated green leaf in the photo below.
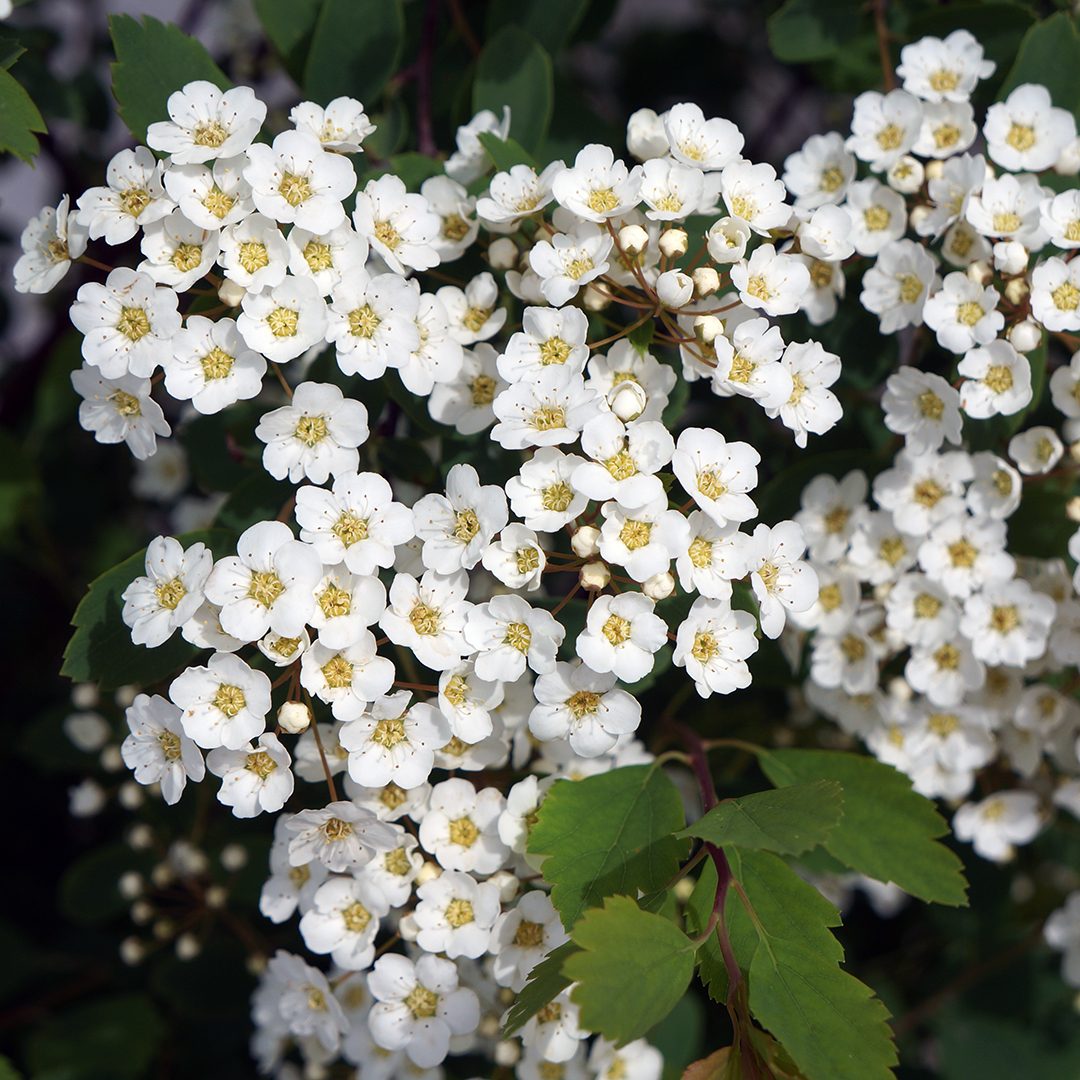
(623, 946)
(101, 650)
(608, 834)
(546, 981)
(888, 831)
(505, 153)
(19, 119)
(154, 59)
(805, 30)
(515, 70)
(788, 821)
(355, 49)
(1050, 56)
(287, 22)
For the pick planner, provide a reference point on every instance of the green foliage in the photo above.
(1050, 55)
(515, 70)
(805, 30)
(546, 981)
(89, 889)
(788, 821)
(355, 48)
(289, 25)
(505, 153)
(101, 650)
(888, 831)
(608, 834)
(19, 116)
(154, 59)
(551, 22)
(623, 946)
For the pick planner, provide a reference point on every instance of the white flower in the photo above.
(1055, 294)
(1025, 132)
(717, 474)
(878, 215)
(461, 827)
(456, 210)
(328, 257)
(622, 635)
(428, 617)
(393, 872)
(419, 1007)
(516, 558)
(315, 436)
(895, 288)
(288, 887)
(470, 160)
(1065, 387)
(206, 123)
(400, 227)
(455, 915)
(1036, 450)
(170, 594)
(781, 580)
(211, 198)
(996, 488)
(966, 553)
(712, 643)
(342, 125)
(467, 702)
(548, 338)
(464, 402)
(346, 603)
(356, 523)
(997, 380)
(157, 750)
(510, 635)
(1007, 622)
(923, 408)
(945, 673)
(1062, 932)
(826, 233)
(812, 407)
(671, 191)
(347, 678)
(554, 1033)
(712, 557)
(342, 836)
(267, 585)
(305, 1002)
(1008, 206)
(133, 198)
(343, 921)
(457, 526)
(944, 70)
(920, 611)
(923, 489)
(473, 312)
(523, 937)
(879, 551)
(624, 372)
(820, 172)
(254, 779)
(726, 240)
(998, 823)
(210, 365)
(542, 493)
(438, 358)
(570, 260)
(753, 194)
(119, 410)
(224, 703)
(770, 282)
(597, 187)
(517, 193)
(584, 707)
(550, 408)
(254, 254)
(49, 242)
(625, 460)
(847, 660)
(636, 1060)
(836, 605)
(643, 539)
(1060, 218)
(751, 366)
(704, 144)
(372, 323)
(393, 743)
(884, 127)
(829, 513)
(128, 323)
(948, 128)
(285, 320)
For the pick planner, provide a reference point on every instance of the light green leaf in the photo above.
(632, 971)
(154, 59)
(546, 981)
(19, 119)
(607, 834)
(805, 30)
(287, 22)
(505, 153)
(1049, 55)
(355, 49)
(888, 831)
(788, 821)
(515, 70)
(551, 22)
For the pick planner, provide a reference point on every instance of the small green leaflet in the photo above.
(546, 981)
(608, 834)
(789, 820)
(633, 969)
(19, 119)
(505, 153)
(1050, 56)
(888, 831)
(154, 59)
(515, 70)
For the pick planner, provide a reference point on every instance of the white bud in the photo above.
(633, 239)
(507, 1053)
(906, 175)
(727, 239)
(980, 272)
(659, 586)
(1010, 257)
(87, 731)
(1074, 451)
(707, 328)
(428, 872)
(595, 298)
(132, 951)
(130, 796)
(673, 243)
(84, 695)
(1068, 162)
(110, 759)
(407, 927)
(1072, 507)
(627, 400)
(230, 293)
(502, 254)
(141, 912)
(683, 889)
(216, 896)
(489, 1027)
(585, 542)
(506, 883)
(294, 717)
(674, 288)
(234, 857)
(163, 929)
(706, 281)
(255, 964)
(1025, 336)
(162, 875)
(919, 214)
(935, 170)
(595, 575)
(125, 695)
(645, 135)
(130, 885)
(899, 689)
(187, 947)
(141, 837)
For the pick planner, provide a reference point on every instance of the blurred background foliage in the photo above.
(975, 993)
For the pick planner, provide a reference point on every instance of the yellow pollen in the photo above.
(218, 203)
(527, 559)
(583, 703)
(892, 549)
(133, 323)
(363, 322)
(768, 572)
(890, 137)
(397, 861)
(310, 430)
(316, 1000)
(350, 529)
(705, 647)
(758, 287)
(554, 351)
(475, 318)
(466, 525)
(963, 553)
(387, 235)
(338, 672)
(549, 1013)
(635, 534)
(283, 322)
(216, 364)
(356, 917)
(798, 388)
(58, 250)
(425, 620)
(928, 493)
(463, 832)
(701, 552)
(1004, 618)
(1006, 223)
(1044, 450)
(335, 602)
(669, 204)
(125, 404)
(1021, 137)
(299, 875)
(170, 745)
(576, 268)
(876, 218)
(392, 797)
(134, 201)
(549, 417)
(454, 227)
(853, 648)
(421, 1002)
(229, 700)
(927, 606)
(1072, 231)
(170, 593)
(529, 935)
(602, 200)
(211, 134)
(999, 378)
(616, 629)
(831, 179)
(821, 274)
(1066, 296)
(294, 189)
(557, 496)
(318, 256)
(930, 405)
(743, 208)
(943, 80)
(455, 748)
(286, 646)
(483, 390)
(969, 313)
(518, 636)
(829, 597)
(836, 520)
(621, 465)
(260, 763)
(265, 587)
(456, 690)
(187, 257)
(947, 657)
(741, 368)
(459, 913)
(946, 135)
(253, 256)
(710, 485)
(911, 288)
(943, 724)
(335, 830)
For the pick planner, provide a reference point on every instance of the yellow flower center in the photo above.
(518, 636)
(602, 200)
(260, 763)
(1021, 137)
(125, 404)
(335, 602)
(133, 323)
(229, 700)
(187, 257)
(134, 201)
(459, 913)
(338, 672)
(350, 529)
(294, 189)
(318, 256)
(583, 703)
(635, 534)
(216, 364)
(463, 832)
(529, 935)
(310, 430)
(170, 594)
(283, 322)
(616, 629)
(265, 587)
(701, 552)
(253, 256)
(210, 134)
(424, 619)
(557, 496)
(999, 378)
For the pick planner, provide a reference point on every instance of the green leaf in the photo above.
(804, 30)
(625, 947)
(608, 834)
(505, 153)
(888, 831)
(551, 22)
(1049, 55)
(101, 649)
(680, 1036)
(90, 888)
(7, 1070)
(641, 336)
(415, 168)
(830, 1023)
(19, 119)
(154, 59)
(515, 70)
(355, 49)
(788, 821)
(546, 981)
(287, 22)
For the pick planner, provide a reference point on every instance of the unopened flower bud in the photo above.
(489, 1027)
(125, 695)
(585, 542)
(627, 400)
(934, 170)
(683, 889)
(906, 175)
(1072, 507)
(294, 717)
(130, 885)
(1025, 336)
(1010, 257)
(659, 586)
(899, 689)
(216, 896)
(1074, 451)
(727, 239)
(918, 215)
(1017, 290)
(141, 912)
(132, 951)
(1068, 162)
(110, 759)
(633, 239)
(674, 288)
(595, 299)
(507, 1053)
(230, 294)
(980, 272)
(502, 254)
(234, 857)
(706, 281)
(141, 837)
(131, 795)
(84, 695)
(645, 135)
(428, 872)
(707, 328)
(506, 883)
(407, 927)
(673, 243)
(187, 947)
(595, 575)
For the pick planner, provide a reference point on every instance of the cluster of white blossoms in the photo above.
(393, 642)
